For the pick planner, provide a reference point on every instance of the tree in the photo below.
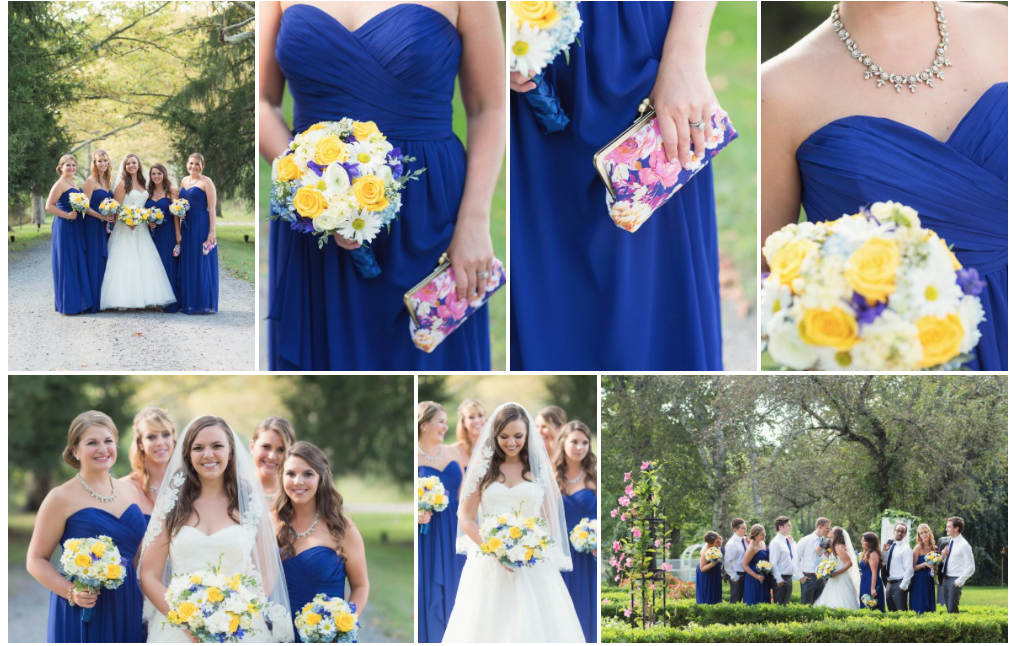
(577, 395)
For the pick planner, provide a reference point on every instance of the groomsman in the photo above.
(958, 565)
(805, 561)
(942, 544)
(899, 567)
(781, 551)
(735, 549)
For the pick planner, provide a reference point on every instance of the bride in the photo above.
(842, 590)
(135, 277)
(210, 509)
(507, 473)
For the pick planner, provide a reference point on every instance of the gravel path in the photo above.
(739, 339)
(39, 338)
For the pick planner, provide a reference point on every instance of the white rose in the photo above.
(889, 343)
(516, 553)
(784, 343)
(217, 622)
(971, 314)
(336, 178)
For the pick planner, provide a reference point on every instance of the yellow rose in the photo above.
(309, 202)
(186, 610)
(369, 191)
(330, 149)
(313, 619)
(582, 535)
(195, 579)
(834, 327)
(363, 129)
(287, 169)
(788, 260)
(516, 532)
(421, 491)
(74, 545)
(98, 549)
(233, 622)
(494, 544)
(428, 485)
(529, 553)
(501, 519)
(530, 523)
(438, 499)
(954, 259)
(537, 14)
(317, 126)
(484, 548)
(113, 571)
(252, 609)
(871, 268)
(82, 560)
(173, 617)
(215, 594)
(345, 622)
(307, 606)
(940, 337)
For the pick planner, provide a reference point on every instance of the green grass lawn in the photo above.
(236, 250)
(28, 235)
(390, 556)
(369, 490)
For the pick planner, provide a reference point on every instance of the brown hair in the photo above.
(756, 530)
(711, 537)
(128, 179)
(837, 536)
(158, 419)
(424, 412)
(957, 522)
(463, 409)
(82, 423)
(822, 522)
(167, 185)
(903, 526)
(279, 425)
(872, 545)
(554, 415)
(508, 413)
(781, 521)
(63, 160)
(932, 541)
(327, 499)
(199, 157)
(107, 176)
(737, 523)
(589, 463)
(191, 488)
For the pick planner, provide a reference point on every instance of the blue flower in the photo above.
(968, 281)
(866, 313)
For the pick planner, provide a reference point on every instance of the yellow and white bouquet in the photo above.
(328, 620)
(514, 540)
(826, 568)
(585, 535)
(179, 208)
(934, 559)
(713, 554)
(132, 215)
(869, 291)
(539, 32)
(430, 496)
(92, 564)
(79, 202)
(154, 215)
(213, 606)
(109, 206)
(868, 601)
(763, 568)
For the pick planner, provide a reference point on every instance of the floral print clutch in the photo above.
(434, 306)
(639, 178)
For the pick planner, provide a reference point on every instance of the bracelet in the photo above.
(70, 597)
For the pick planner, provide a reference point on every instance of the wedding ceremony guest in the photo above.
(734, 552)
(899, 569)
(805, 562)
(921, 595)
(781, 549)
(709, 573)
(958, 564)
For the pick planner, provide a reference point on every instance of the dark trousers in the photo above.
(951, 593)
(783, 593)
(736, 589)
(897, 599)
(811, 589)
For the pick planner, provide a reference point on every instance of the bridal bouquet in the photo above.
(763, 567)
(585, 536)
(212, 606)
(934, 559)
(870, 291)
(79, 202)
(868, 601)
(132, 215)
(826, 568)
(514, 540)
(430, 496)
(91, 564)
(712, 554)
(341, 177)
(329, 620)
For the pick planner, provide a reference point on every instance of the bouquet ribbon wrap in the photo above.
(545, 105)
(365, 263)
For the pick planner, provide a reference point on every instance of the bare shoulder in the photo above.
(987, 23)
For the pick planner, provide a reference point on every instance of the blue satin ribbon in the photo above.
(546, 105)
(365, 263)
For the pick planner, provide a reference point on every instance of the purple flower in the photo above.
(315, 167)
(394, 160)
(351, 168)
(866, 313)
(968, 281)
(302, 225)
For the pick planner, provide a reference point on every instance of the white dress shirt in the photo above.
(804, 558)
(900, 557)
(735, 549)
(781, 562)
(960, 562)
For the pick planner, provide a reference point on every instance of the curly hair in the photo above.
(508, 413)
(589, 464)
(328, 501)
(191, 488)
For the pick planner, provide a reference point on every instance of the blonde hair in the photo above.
(554, 415)
(279, 425)
(932, 540)
(464, 408)
(156, 419)
(756, 530)
(95, 170)
(63, 160)
(424, 412)
(82, 423)
(199, 157)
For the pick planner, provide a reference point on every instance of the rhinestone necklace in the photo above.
(873, 70)
(440, 451)
(316, 517)
(576, 480)
(107, 499)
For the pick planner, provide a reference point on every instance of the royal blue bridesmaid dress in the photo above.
(198, 274)
(583, 580)
(587, 295)
(958, 186)
(96, 247)
(754, 591)
(397, 70)
(865, 579)
(117, 613)
(709, 584)
(311, 572)
(921, 594)
(439, 567)
(164, 237)
(71, 286)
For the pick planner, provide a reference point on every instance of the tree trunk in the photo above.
(37, 485)
(758, 504)
(38, 210)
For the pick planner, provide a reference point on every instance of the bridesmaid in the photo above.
(97, 187)
(71, 285)
(88, 506)
(549, 421)
(471, 419)
(319, 544)
(758, 587)
(271, 439)
(709, 575)
(150, 452)
(577, 475)
(198, 273)
(439, 567)
(921, 596)
(869, 570)
(161, 193)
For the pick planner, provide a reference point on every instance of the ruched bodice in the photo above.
(198, 200)
(162, 204)
(64, 202)
(127, 530)
(498, 498)
(311, 572)
(958, 186)
(578, 505)
(135, 198)
(450, 477)
(405, 84)
(98, 195)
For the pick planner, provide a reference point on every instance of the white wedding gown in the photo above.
(193, 550)
(840, 591)
(135, 277)
(491, 607)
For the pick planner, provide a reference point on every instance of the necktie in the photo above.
(789, 543)
(890, 555)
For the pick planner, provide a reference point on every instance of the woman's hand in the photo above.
(212, 240)
(521, 83)
(85, 598)
(471, 253)
(344, 242)
(423, 517)
(683, 95)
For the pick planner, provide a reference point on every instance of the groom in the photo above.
(805, 562)
(958, 565)
(735, 550)
(898, 570)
